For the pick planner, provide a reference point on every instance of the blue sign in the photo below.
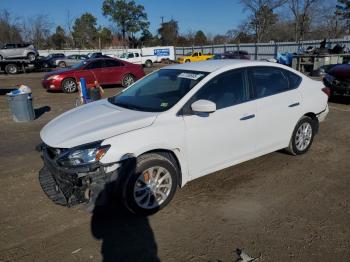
(162, 52)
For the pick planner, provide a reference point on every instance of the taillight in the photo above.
(327, 91)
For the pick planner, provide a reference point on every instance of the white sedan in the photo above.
(175, 125)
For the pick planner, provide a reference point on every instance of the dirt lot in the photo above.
(283, 207)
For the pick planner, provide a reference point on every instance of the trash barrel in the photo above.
(21, 106)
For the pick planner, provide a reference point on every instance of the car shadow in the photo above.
(339, 99)
(125, 236)
(41, 110)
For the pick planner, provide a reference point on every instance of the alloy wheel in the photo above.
(152, 187)
(70, 86)
(303, 136)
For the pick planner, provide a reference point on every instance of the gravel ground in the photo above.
(281, 207)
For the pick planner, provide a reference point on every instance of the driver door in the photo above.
(91, 72)
(226, 136)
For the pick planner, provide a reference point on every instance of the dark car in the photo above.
(106, 71)
(338, 79)
(233, 55)
(49, 61)
(97, 55)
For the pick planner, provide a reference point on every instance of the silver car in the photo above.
(25, 51)
(69, 60)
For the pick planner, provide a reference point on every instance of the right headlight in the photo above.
(84, 155)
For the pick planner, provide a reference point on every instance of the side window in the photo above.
(94, 65)
(130, 55)
(10, 46)
(294, 79)
(267, 81)
(113, 63)
(199, 54)
(195, 55)
(225, 90)
(137, 54)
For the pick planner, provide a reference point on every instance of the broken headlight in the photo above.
(83, 155)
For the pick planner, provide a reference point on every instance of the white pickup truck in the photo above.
(138, 58)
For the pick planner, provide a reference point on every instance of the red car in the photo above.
(104, 70)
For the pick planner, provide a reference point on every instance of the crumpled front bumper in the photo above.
(72, 186)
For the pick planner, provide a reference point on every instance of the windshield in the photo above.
(158, 91)
(124, 55)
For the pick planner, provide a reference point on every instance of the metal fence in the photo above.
(261, 50)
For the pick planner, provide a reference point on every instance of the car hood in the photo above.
(93, 122)
(59, 71)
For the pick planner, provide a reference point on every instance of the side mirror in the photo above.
(203, 106)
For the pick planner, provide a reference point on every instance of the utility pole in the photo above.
(162, 17)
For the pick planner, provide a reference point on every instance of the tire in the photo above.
(11, 69)
(62, 64)
(187, 60)
(128, 80)
(31, 57)
(69, 85)
(143, 197)
(148, 63)
(302, 136)
(1, 57)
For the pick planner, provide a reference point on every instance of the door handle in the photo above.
(294, 104)
(247, 117)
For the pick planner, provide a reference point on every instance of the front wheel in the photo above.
(187, 61)
(302, 137)
(69, 85)
(152, 185)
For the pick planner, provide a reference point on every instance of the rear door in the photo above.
(278, 107)
(113, 71)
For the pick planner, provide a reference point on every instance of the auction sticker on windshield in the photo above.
(190, 76)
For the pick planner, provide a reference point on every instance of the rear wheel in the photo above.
(69, 85)
(128, 80)
(148, 63)
(152, 186)
(11, 69)
(31, 56)
(303, 136)
(62, 64)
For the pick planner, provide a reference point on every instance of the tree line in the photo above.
(266, 20)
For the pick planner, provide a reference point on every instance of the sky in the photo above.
(215, 17)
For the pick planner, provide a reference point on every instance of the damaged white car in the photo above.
(175, 125)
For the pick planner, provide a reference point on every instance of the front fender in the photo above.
(168, 136)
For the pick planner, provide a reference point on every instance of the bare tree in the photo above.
(37, 30)
(9, 28)
(261, 15)
(303, 12)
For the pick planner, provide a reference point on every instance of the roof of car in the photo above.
(213, 65)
